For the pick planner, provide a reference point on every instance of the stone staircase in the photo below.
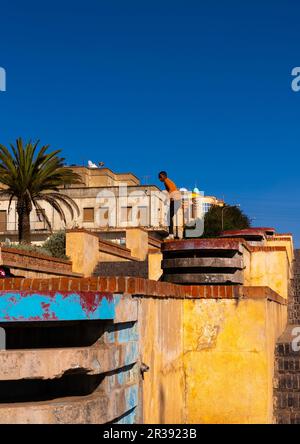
(122, 268)
(287, 360)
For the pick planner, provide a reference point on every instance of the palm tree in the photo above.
(31, 176)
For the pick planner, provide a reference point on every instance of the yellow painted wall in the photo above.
(83, 250)
(211, 361)
(228, 358)
(154, 265)
(270, 269)
(137, 242)
(283, 241)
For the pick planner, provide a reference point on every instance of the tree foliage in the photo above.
(233, 219)
(31, 176)
(56, 245)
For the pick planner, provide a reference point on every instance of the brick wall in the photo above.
(31, 264)
(140, 286)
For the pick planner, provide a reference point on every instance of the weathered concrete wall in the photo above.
(210, 350)
(228, 350)
(83, 249)
(94, 377)
(137, 242)
(220, 344)
(154, 265)
(282, 240)
(161, 333)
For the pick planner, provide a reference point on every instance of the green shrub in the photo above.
(56, 245)
(29, 247)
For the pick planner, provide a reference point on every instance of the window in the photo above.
(206, 207)
(143, 216)
(39, 222)
(126, 214)
(39, 215)
(103, 217)
(88, 215)
(3, 220)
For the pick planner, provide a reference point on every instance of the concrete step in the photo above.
(122, 268)
(204, 262)
(98, 408)
(54, 363)
(206, 278)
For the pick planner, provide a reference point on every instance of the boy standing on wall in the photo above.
(175, 202)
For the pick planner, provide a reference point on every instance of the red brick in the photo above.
(102, 286)
(229, 291)
(176, 291)
(182, 291)
(26, 284)
(112, 284)
(202, 292)
(141, 286)
(84, 284)
(121, 284)
(93, 285)
(195, 291)
(187, 291)
(131, 287)
(222, 291)
(8, 284)
(168, 289)
(45, 284)
(36, 284)
(208, 291)
(215, 291)
(75, 284)
(160, 289)
(64, 284)
(55, 283)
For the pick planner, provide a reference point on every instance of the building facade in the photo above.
(106, 202)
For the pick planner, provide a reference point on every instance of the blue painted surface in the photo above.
(128, 333)
(131, 394)
(69, 306)
(132, 353)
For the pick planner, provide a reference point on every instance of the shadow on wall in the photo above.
(162, 403)
(122, 268)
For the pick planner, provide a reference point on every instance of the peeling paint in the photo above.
(53, 306)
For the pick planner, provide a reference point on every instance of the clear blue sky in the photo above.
(199, 88)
